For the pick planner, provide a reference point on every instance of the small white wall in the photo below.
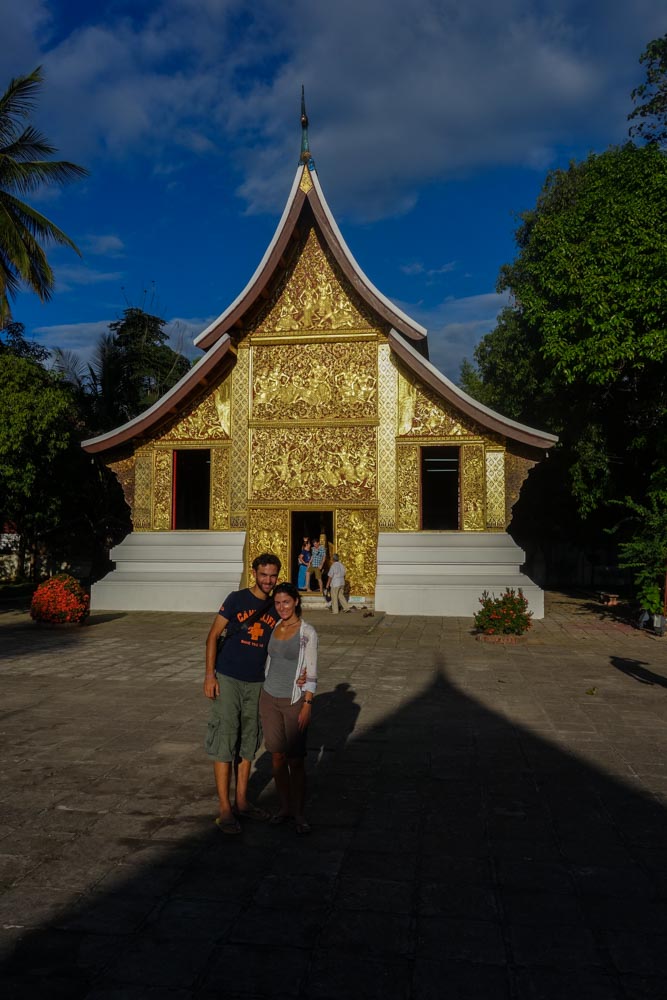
(445, 572)
(171, 571)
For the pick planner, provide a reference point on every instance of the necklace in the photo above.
(285, 624)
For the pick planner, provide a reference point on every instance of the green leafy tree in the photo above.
(25, 167)
(36, 430)
(646, 552)
(13, 341)
(650, 113)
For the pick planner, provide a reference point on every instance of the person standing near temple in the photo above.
(317, 557)
(336, 578)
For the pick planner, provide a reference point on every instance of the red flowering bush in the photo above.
(504, 615)
(60, 599)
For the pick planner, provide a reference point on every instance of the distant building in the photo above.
(315, 410)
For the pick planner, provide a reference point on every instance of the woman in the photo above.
(285, 706)
(303, 578)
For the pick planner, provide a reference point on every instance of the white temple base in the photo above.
(171, 571)
(445, 572)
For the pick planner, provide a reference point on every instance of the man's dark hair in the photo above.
(266, 559)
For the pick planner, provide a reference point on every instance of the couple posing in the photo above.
(244, 684)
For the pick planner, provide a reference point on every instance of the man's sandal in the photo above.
(230, 827)
(303, 829)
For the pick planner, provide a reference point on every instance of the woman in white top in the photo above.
(285, 704)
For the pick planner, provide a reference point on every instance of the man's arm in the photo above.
(211, 686)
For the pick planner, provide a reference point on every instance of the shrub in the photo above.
(504, 615)
(60, 599)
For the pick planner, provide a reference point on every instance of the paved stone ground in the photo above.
(489, 821)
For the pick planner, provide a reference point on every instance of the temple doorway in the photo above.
(440, 489)
(307, 524)
(191, 489)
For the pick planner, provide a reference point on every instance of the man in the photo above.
(318, 555)
(233, 682)
(336, 578)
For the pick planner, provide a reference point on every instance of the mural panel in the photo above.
(329, 465)
(421, 413)
(220, 484)
(495, 489)
(314, 381)
(268, 531)
(163, 462)
(356, 543)
(472, 487)
(408, 500)
(239, 457)
(209, 419)
(387, 412)
(143, 488)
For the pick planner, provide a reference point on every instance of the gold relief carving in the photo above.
(314, 381)
(219, 504)
(495, 489)
(313, 295)
(422, 413)
(123, 470)
(356, 543)
(268, 531)
(408, 501)
(306, 182)
(472, 487)
(143, 488)
(207, 420)
(239, 453)
(162, 483)
(517, 468)
(387, 408)
(318, 464)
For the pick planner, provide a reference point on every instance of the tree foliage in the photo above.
(650, 113)
(582, 350)
(25, 167)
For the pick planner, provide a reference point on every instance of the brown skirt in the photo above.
(279, 725)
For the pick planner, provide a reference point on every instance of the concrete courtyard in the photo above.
(489, 822)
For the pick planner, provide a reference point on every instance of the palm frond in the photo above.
(18, 101)
(26, 177)
(70, 366)
(29, 145)
(34, 222)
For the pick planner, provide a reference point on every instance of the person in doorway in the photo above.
(336, 577)
(233, 682)
(285, 703)
(317, 557)
(303, 577)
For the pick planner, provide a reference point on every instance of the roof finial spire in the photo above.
(305, 148)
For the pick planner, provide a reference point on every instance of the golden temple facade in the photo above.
(315, 399)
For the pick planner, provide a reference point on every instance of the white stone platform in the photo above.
(445, 572)
(172, 571)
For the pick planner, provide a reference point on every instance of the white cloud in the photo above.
(399, 95)
(79, 337)
(103, 245)
(71, 276)
(456, 326)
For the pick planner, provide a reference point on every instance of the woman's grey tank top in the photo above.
(284, 654)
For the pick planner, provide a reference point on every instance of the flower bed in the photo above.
(60, 600)
(507, 615)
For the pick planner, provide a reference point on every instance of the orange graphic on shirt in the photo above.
(256, 631)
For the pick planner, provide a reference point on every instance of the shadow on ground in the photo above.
(455, 854)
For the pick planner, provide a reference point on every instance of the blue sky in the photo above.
(432, 125)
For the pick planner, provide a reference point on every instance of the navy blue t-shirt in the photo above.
(244, 652)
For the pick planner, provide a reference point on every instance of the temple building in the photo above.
(315, 411)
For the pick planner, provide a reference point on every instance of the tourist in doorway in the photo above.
(285, 703)
(317, 557)
(233, 682)
(336, 578)
(303, 577)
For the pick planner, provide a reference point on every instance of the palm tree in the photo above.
(24, 167)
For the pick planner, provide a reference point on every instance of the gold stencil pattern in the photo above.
(356, 543)
(408, 500)
(313, 295)
(387, 404)
(268, 531)
(162, 485)
(208, 419)
(306, 182)
(472, 487)
(314, 381)
(421, 413)
(219, 517)
(516, 470)
(239, 457)
(317, 464)
(124, 473)
(495, 489)
(143, 487)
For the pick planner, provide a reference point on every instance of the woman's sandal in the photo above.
(230, 827)
(303, 828)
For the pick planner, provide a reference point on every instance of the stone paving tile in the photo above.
(489, 822)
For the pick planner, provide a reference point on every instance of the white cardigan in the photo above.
(307, 658)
